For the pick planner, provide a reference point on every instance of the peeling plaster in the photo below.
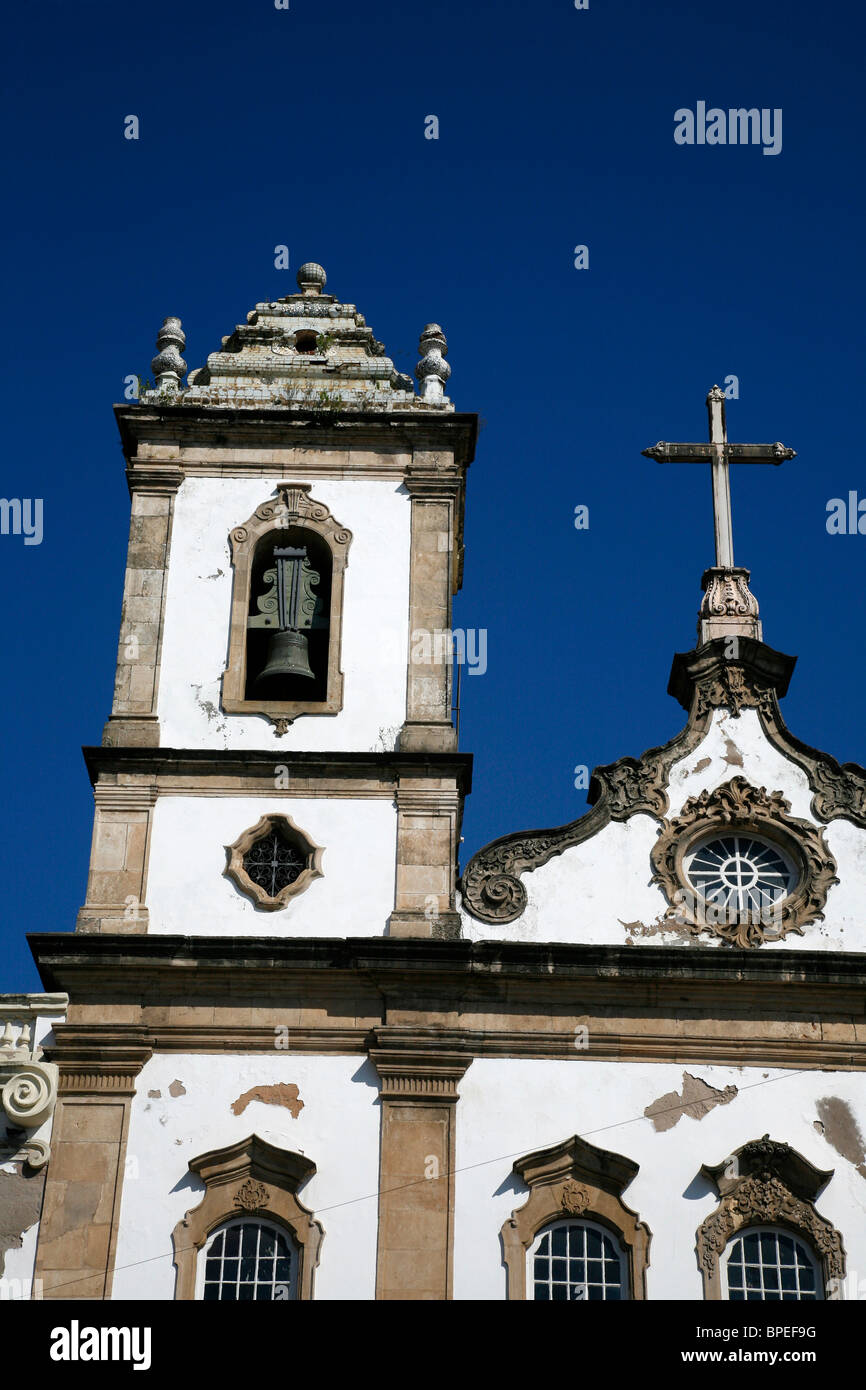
(20, 1208)
(176, 1089)
(285, 1093)
(700, 765)
(840, 1129)
(732, 755)
(154, 1095)
(669, 927)
(696, 1101)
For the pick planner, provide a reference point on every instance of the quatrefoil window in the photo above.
(273, 862)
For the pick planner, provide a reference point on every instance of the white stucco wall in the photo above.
(338, 1128)
(188, 892)
(375, 641)
(593, 891)
(510, 1108)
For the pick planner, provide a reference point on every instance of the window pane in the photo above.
(261, 1265)
(593, 1270)
(770, 1265)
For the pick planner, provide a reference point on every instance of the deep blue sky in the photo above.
(306, 127)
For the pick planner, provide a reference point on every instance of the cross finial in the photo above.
(728, 606)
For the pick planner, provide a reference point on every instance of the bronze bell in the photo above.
(287, 656)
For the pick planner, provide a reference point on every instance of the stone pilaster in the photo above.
(416, 1164)
(133, 720)
(428, 827)
(434, 484)
(118, 860)
(81, 1210)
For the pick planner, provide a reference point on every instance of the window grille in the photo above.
(248, 1261)
(273, 863)
(576, 1260)
(769, 1266)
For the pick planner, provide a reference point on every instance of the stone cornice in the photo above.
(202, 962)
(297, 427)
(205, 762)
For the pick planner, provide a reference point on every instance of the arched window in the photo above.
(766, 1264)
(576, 1261)
(247, 1261)
(289, 617)
(249, 1239)
(289, 563)
(574, 1238)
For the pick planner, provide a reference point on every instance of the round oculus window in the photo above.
(739, 871)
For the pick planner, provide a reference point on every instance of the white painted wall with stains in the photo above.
(510, 1108)
(375, 642)
(601, 893)
(338, 1128)
(188, 892)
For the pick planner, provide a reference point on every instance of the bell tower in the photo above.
(280, 756)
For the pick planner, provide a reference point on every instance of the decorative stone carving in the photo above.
(252, 1196)
(576, 1178)
(281, 825)
(248, 1176)
(575, 1198)
(168, 366)
(28, 1084)
(766, 1183)
(433, 371)
(491, 888)
(739, 806)
(293, 507)
(728, 608)
(840, 791)
(730, 688)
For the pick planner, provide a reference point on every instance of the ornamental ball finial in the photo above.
(311, 278)
(168, 366)
(432, 371)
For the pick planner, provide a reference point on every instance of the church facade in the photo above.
(291, 1051)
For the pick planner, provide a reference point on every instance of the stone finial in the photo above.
(311, 278)
(432, 371)
(729, 608)
(168, 366)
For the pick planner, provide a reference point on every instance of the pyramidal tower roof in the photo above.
(306, 350)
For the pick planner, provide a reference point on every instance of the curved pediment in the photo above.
(704, 681)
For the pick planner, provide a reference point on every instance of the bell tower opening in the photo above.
(288, 619)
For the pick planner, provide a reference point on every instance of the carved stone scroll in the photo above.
(766, 1183)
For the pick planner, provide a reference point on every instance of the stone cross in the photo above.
(719, 453)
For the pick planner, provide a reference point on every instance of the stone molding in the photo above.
(766, 1183)
(423, 1066)
(237, 873)
(575, 1179)
(28, 1083)
(249, 1177)
(292, 507)
(737, 805)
